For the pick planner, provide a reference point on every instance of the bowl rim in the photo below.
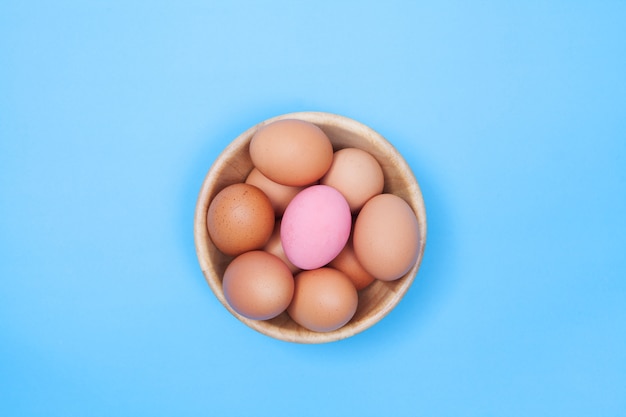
(202, 240)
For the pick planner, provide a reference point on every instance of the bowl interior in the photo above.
(234, 164)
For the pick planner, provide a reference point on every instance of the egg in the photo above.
(258, 285)
(386, 237)
(315, 227)
(324, 299)
(280, 195)
(240, 218)
(275, 247)
(291, 152)
(356, 174)
(348, 263)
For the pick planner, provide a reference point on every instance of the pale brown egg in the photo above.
(324, 299)
(291, 152)
(280, 195)
(275, 247)
(258, 285)
(240, 218)
(386, 237)
(356, 174)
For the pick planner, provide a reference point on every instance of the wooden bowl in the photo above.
(234, 164)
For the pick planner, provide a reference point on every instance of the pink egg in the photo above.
(315, 226)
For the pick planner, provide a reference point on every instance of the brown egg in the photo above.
(275, 247)
(280, 195)
(348, 263)
(324, 299)
(356, 174)
(386, 237)
(291, 152)
(258, 285)
(240, 218)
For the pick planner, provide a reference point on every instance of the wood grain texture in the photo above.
(234, 164)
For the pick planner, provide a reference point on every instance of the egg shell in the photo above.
(258, 285)
(386, 237)
(324, 300)
(356, 174)
(240, 218)
(315, 227)
(275, 247)
(291, 152)
(348, 263)
(280, 195)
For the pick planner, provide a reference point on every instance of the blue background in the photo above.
(512, 116)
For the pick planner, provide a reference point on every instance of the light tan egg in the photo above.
(280, 195)
(275, 247)
(291, 152)
(356, 174)
(258, 285)
(386, 237)
(324, 299)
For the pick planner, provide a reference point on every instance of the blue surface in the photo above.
(512, 116)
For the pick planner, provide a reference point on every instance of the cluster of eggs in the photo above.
(309, 228)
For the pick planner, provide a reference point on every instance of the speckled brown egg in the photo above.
(240, 218)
